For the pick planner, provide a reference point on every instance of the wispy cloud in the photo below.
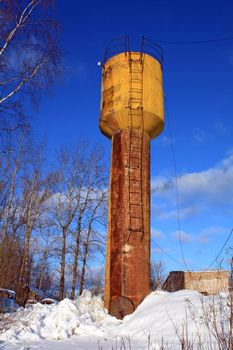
(156, 233)
(183, 236)
(165, 140)
(197, 191)
(206, 234)
(199, 135)
(167, 214)
(220, 127)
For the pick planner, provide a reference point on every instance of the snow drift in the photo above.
(83, 316)
(162, 317)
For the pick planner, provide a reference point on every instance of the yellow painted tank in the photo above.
(132, 94)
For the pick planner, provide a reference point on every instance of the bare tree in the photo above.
(93, 236)
(65, 202)
(10, 241)
(157, 274)
(45, 248)
(96, 277)
(10, 185)
(82, 209)
(29, 57)
(35, 194)
(94, 179)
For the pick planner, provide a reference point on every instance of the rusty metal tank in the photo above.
(132, 81)
(131, 115)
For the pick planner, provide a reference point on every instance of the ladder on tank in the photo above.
(135, 108)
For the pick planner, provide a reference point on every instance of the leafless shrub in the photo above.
(6, 322)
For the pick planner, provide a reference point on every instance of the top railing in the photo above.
(122, 45)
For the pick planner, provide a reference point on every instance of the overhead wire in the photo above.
(176, 185)
(194, 42)
(174, 158)
(221, 250)
(177, 201)
(166, 253)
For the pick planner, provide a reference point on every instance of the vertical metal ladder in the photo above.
(135, 108)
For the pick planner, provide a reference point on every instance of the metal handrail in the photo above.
(122, 45)
(152, 48)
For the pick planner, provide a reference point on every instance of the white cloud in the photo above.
(184, 213)
(183, 237)
(165, 140)
(215, 184)
(156, 233)
(197, 191)
(206, 234)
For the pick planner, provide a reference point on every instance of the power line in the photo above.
(164, 251)
(195, 42)
(221, 250)
(176, 184)
(177, 200)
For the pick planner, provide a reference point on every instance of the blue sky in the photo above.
(199, 91)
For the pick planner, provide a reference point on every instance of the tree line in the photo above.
(52, 218)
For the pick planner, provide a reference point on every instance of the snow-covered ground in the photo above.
(84, 324)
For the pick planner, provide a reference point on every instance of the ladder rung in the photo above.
(138, 109)
(132, 148)
(138, 101)
(135, 99)
(135, 60)
(132, 157)
(135, 168)
(135, 79)
(138, 137)
(138, 217)
(137, 205)
(136, 229)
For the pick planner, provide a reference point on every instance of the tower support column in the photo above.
(128, 244)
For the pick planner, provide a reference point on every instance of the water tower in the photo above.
(131, 115)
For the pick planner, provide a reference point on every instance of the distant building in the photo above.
(204, 282)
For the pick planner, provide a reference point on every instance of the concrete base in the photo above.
(205, 282)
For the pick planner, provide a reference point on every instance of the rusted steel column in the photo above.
(128, 245)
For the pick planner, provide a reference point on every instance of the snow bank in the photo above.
(84, 316)
(185, 314)
(161, 316)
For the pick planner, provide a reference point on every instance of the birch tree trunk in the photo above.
(76, 255)
(63, 264)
